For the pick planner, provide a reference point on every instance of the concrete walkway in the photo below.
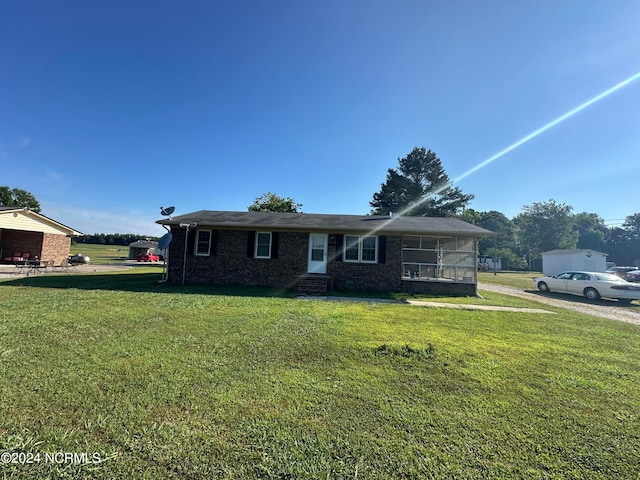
(421, 303)
(11, 271)
(424, 303)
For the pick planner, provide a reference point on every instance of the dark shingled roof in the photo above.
(328, 223)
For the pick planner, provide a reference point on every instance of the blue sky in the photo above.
(111, 109)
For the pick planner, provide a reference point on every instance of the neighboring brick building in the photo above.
(317, 253)
(23, 231)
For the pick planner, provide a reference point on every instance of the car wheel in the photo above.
(543, 287)
(591, 293)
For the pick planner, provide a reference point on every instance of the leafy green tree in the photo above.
(592, 231)
(624, 243)
(419, 187)
(270, 202)
(17, 197)
(632, 226)
(503, 227)
(512, 257)
(509, 259)
(544, 226)
(471, 216)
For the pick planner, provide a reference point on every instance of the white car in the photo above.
(592, 285)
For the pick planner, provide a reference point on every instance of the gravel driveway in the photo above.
(603, 308)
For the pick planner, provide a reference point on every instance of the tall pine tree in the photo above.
(419, 187)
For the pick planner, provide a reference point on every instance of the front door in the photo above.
(317, 253)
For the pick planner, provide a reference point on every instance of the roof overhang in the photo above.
(309, 222)
(13, 218)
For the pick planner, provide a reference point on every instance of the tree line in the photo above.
(419, 186)
(122, 239)
(545, 226)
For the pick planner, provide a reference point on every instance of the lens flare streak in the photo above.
(549, 125)
(511, 147)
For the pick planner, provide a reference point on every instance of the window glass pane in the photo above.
(263, 245)
(317, 248)
(203, 242)
(369, 249)
(351, 248)
(369, 243)
(317, 242)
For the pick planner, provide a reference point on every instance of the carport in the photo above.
(142, 246)
(33, 235)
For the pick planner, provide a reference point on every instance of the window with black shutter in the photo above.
(275, 243)
(251, 242)
(191, 241)
(382, 249)
(339, 246)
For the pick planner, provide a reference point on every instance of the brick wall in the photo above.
(439, 288)
(55, 247)
(232, 266)
(14, 241)
(384, 277)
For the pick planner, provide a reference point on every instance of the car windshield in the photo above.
(608, 277)
(564, 276)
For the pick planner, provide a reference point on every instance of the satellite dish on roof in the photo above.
(164, 241)
(167, 211)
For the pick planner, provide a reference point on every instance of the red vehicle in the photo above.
(147, 257)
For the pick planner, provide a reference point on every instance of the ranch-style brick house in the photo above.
(316, 253)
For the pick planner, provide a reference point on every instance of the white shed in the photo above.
(558, 261)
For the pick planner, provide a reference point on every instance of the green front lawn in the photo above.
(101, 254)
(522, 280)
(198, 382)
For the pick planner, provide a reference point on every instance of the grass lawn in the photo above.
(201, 382)
(523, 280)
(101, 254)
